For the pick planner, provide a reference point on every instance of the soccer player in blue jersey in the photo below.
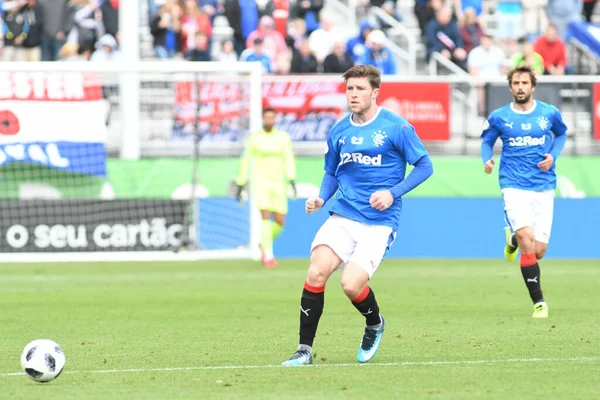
(533, 134)
(365, 163)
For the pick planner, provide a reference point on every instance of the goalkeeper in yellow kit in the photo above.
(270, 158)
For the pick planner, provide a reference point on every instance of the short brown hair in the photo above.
(522, 70)
(364, 71)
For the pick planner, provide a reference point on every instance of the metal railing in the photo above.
(584, 57)
(409, 56)
(437, 59)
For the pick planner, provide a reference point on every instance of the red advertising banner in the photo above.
(425, 105)
(306, 108)
(596, 112)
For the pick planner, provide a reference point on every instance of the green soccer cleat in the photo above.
(540, 310)
(300, 357)
(510, 251)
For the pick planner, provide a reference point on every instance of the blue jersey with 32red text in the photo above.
(370, 157)
(526, 137)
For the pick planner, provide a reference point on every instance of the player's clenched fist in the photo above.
(381, 200)
(488, 166)
(547, 163)
(313, 204)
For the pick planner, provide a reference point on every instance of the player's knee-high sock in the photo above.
(267, 238)
(530, 270)
(366, 304)
(311, 308)
(276, 229)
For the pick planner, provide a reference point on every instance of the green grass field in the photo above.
(456, 330)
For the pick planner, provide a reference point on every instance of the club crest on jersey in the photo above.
(379, 138)
(543, 123)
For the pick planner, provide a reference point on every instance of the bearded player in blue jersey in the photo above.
(533, 134)
(365, 163)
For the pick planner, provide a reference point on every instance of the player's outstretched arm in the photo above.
(421, 172)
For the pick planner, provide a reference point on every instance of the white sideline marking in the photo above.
(256, 274)
(390, 364)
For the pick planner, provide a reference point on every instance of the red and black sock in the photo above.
(311, 309)
(366, 304)
(530, 270)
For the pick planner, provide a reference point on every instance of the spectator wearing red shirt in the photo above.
(553, 51)
(194, 21)
(470, 30)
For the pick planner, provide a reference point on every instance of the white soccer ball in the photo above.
(43, 360)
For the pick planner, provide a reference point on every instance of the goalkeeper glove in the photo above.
(295, 192)
(238, 193)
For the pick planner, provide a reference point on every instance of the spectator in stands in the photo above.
(461, 6)
(309, 11)
(256, 53)
(509, 18)
(321, 40)
(242, 27)
(303, 60)
(378, 54)
(443, 36)
(201, 49)
(210, 8)
(85, 52)
(193, 21)
(165, 28)
(227, 53)
(470, 30)
(283, 63)
(528, 57)
(13, 31)
(56, 24)
(106, 49)
(274, 43)
(88, 27)
(29, 23)
(562, 12)
(553, 51)
(484, 62)
(153, 7)
(588, 9)
(70, 52)
(110, 17)
(339, 61)
(356, 47)
(425, 11)
(391, 8)
(296, 33)
(487, 59)
(534, 17)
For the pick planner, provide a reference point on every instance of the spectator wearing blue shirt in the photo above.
(443, 36)
(509, 17)
(256, 54)
(356, 47)
(378, 54)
